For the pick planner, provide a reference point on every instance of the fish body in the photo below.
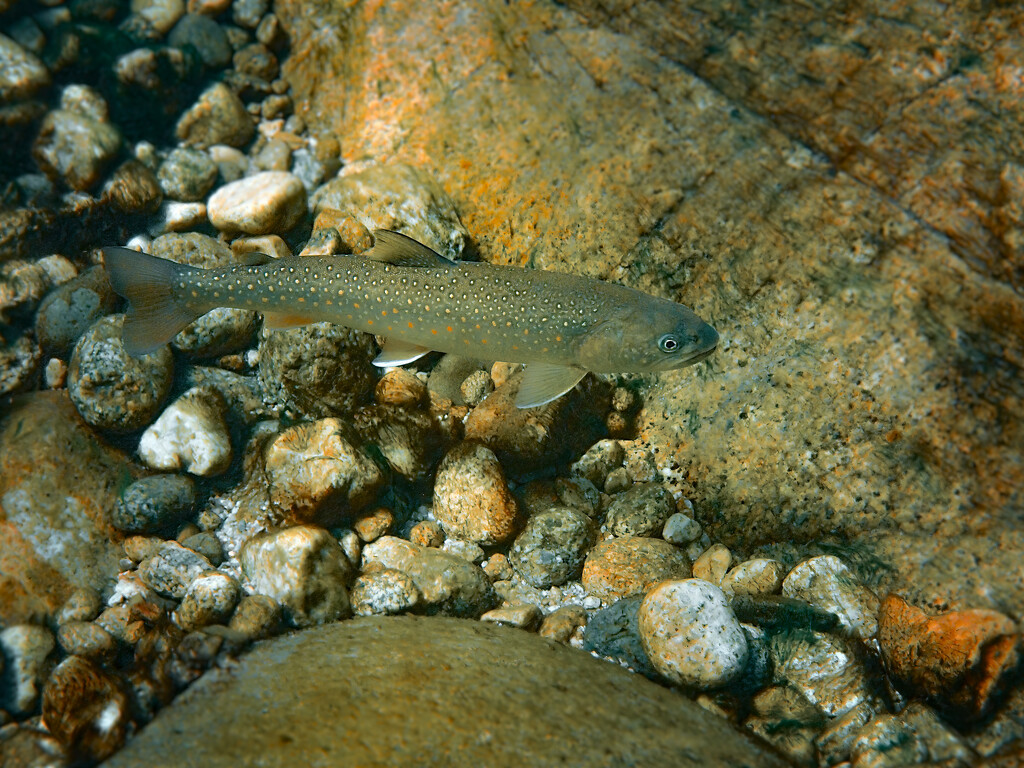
(561, 325)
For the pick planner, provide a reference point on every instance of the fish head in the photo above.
(657, 335)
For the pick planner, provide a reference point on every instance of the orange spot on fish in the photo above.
(449, 329)
(384, 313)
(410, 325)
(355, 306)
(434, 331)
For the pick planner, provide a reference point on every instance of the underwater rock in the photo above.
(68, 310)
(266, 203)
(623, 567)
(155, 503)
(257, 617)
(399, 197)
(210, 599)
(713, 564)
(24, 648)
(190, 435)
(22, 74)
(207, 37)
(304, 569)
(314, 472)
(961, 660)
(409, 441)
(449, 584)
(317, 370)
(220, 331)
(690, 634)
(373, 524)
(552, 547)
(132, 189)
(472, 500)
(112, 390)
(218, 117)
(75, 148)
(759, 576)
(402, 388)
(356, 667)
(640, 511)
(563, 624)
(172, 569)
(384, 592)
(57, 485)
(681, 529)
(599, 460)
(614, 632)
(20, 363)
(521, 616)
(826, 582)
(915, 735)
(187, 174)
(83, 638)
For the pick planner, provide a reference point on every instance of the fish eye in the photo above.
(668, 343)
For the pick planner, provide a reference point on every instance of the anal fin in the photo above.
(396, 352)
(543, 382)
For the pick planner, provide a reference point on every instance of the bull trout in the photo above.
(561, 326)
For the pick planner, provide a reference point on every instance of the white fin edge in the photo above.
(395, 352)
(543, 382)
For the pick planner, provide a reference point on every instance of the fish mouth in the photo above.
(701, 355)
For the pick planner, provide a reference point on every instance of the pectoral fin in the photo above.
(543, 383)
(397, 352)
(278, 321)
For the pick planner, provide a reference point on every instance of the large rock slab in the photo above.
(58, 486)
(867, 387)
(433, 691)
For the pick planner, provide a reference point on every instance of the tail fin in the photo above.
(156, 309)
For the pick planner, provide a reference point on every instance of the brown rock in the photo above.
(402, 388)
(472, 501)
(57, 484)
(562, 624)
(373, 524)
(86, 709)
(623, 567)
(427, 533)
(961, 660)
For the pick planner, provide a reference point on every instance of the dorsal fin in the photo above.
(402, 251)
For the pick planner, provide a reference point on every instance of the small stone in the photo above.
(640, 463)
(257, 617)
(524, 616)
(172, 569)
(112, 390)
(552, 548)
(631, 566)
(713, 564)
(371, 525)
(472, 500)
(247, 13)
(563, 624)
(84, 638)
(476, 387)
(22, 74)
(497, 567)
(276, 154)
(139, 548)
(191, 434)
(681, 529)
(187, 174)
(75, 148)
(55, 373)
(618, 480)
(827, 583)
(783, 704)
(449, 584)
(315, 472)
(411, 442)
(836, 738)
(86, 708)
(206, 36)
(218, 117)
(162, 15)
(914, 736)
(220, 331)
(206, 544)
(690, 635)
(427, 533)
(384, 592)
(401, 388)
(153, 504)
(614, 633)
(304, 569)
(178, 217)
(211, 8)
(210, 599)
(600, 459)
(257, 60)
(84, 604)
(271, 201)
(962, 661)
(579, 494)
(24, 647)
(19, 366)
(759, 576)
(640, 511)
(133, 188)
(271, 245)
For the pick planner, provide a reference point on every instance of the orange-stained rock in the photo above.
(58, 482)
(961, 660)
(632, 565)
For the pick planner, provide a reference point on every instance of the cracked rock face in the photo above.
(866, 282)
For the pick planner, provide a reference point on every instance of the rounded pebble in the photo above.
(427, 533)
(713, 564)
(759, 576)
(384, 592)
(210, 599)
(600, 459)
(206, 36)
(257, 617)
(172, 569)
(85, 639)
(68, 310)
(623, 567)
(551, 549)
(220, 331)
(268, 202)
(75, 148)
(24, 647)
(690, 635)
(304, 569)
(191, 434)
(153, 504)
(22, 74)
(400, 387)
(472, 500)
(521, 616)
(187, 174)
(640, 511)
(218, 117)
(826, 582)
(86, 708)
(112, 390)
(681, 529)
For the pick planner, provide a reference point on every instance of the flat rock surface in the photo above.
(433, 691)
